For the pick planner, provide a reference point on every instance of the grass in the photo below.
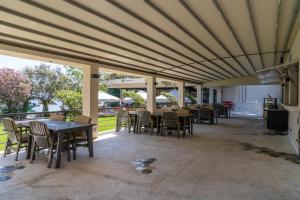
(104, 124)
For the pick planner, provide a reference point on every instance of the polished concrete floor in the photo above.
(210, 165)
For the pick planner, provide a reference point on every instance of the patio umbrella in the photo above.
(128, 100)
(175, 94)
(162, 99)
(143, 94)
(104, 97)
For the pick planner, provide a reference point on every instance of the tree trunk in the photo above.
(45, 105)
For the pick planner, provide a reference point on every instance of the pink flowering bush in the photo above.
(14, 90)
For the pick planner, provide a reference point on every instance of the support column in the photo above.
(199, 94)
(293, 86)
(181, 92)
(211, 96)
(286, 93)
(219, 95)
(90, 94)
(151, 93)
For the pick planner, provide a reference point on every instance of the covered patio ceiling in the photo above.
(190, 40)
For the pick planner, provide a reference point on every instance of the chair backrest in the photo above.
(220, 107)
(204, 112)
(193, 107)
(211, 107)
(175, 106)
(166, 109)
(39, 128)
(182, 111)
(123, 115)
(185, 107)
(144, 117)
(140, 109)
(82, 119)
(170, 119)
(10, 128)
(41, 133)
(57, 117)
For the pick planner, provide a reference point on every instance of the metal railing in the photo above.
(31, 115)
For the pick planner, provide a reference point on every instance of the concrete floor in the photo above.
(211, 164)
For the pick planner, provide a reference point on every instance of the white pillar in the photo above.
(211, 96)
(90, 94)
(219, 95)
(299, 87)
(181, 92)
(151, 93)
(293, 84)
(199, 94)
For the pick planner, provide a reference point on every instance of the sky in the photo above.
(20, 63)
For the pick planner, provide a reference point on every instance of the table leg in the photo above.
(192, 124)
(158, 125)
(184, 128)
(50, 153)
(135, 124)
(90, 141)
(59, 150)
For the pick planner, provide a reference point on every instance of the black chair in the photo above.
(205, 115)
(170, 123)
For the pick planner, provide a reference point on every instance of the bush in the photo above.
(71, 99)
(191, 97)
(170, 97)
(138, 100)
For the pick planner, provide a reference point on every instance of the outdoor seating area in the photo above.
(174, 117)
(54, 135)
(150, 99)
(194, 167)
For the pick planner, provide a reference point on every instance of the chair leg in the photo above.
(151, 129)
(18, 149)
(32, 151)
(128, 126)
(50, 155)
(7, 144)
(68, 148)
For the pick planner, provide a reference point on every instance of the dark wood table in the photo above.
(59, 129)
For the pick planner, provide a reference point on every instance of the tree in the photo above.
(138, 100)
(45, 81)
(71, 99)
(14, 90)
(191, 97)
(74, 78)
(170, 97)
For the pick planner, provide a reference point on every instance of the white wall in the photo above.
(248, 99)
(294, 111)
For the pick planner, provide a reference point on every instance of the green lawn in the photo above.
(104, 124)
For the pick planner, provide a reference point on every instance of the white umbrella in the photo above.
(104, 97)
(175, 94)
(143, 94)
(128, 100)
(162, 99)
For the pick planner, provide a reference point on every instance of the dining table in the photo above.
(60, 129)
(158, 115)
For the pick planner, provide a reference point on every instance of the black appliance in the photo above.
(277, 120)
